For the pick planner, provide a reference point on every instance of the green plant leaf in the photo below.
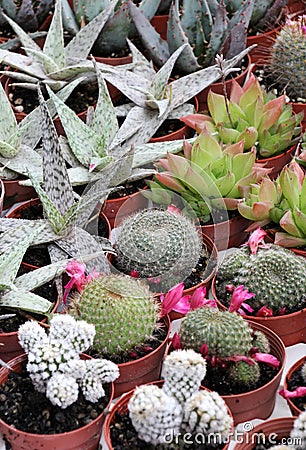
(23, 36)
(26, 301)
(54, 43)
(8, 123)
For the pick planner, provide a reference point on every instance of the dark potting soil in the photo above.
(128, 189)
(137, 352)
(220, 215)
(11, 324)
(124, 437)
(30, 411)
(296, 381)
(216, 379)
(23, 100)
(170, 126)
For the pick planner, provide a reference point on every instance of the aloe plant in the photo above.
(205, 28)
(16, 291)
(29, 14)
(208, 176)
(18, 141)
(118, 26)
(55, 64)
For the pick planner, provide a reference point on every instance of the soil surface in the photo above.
(128, 189)
(30, 411)
(296, 381)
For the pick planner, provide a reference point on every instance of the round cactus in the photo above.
(225, 333)
(243, 373)
(261, 342)
(160, 246)
(121, 308)
(274, 274)
(303, 371)
(288, 55)
(298, 433)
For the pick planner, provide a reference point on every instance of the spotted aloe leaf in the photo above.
(157, 48)
(26, 301)
(54, 43)
(17, 163)
(84, 141)
(8, 123)
(176, 37)
(23, 63)
(23, 36)
(44, 231)
(11, 258)
(81, 44)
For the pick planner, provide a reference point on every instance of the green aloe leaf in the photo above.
(54, 43)
(83, 141)
(23, 36)
(26, 301)
(17, 164)
(23, 63)
(8, 123)
(7, 150)
(81, 44)
(47, 62)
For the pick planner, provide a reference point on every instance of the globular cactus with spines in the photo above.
(288, 55)
(160, 413)
(154, 414)
(261, 342)
(158, 244)
(243, 373)
(276, 276)
(224, 333)
(183, 371)
(303, 371)
(122, 310)
(205, 413)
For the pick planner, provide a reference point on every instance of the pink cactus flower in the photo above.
(266, 358)
(173, 300)
(199, 300)
(76, 271)
(298, 392)
(238, 298)
(264, 311)
(176, 342)
(256, 238)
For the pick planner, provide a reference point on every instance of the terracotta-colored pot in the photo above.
(296, 366)
(117, 209)
(15, 192)
(85, 438)
(160, 23)
(259, 403)
(218, 87)
(121, 407)
(10, 347)
(264, 41)
(291, 328)
(142, 370)
(300, 107)
(277, 162)
(213, 261)
(227, 234)
(275, 429)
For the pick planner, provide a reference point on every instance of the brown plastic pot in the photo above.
(227, 234)
(160, 23)
(264, 42)
(259, 403)
(213, 261)
(15, 192)
(121, 407)
(276, 163)
(295, 367)
(291, 328)
(85, 438)
(273, 429)
(299, 107)
(142, 370)
(10, 347)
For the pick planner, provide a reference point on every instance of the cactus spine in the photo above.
(288, 56)
(158, 244)
(122, 310)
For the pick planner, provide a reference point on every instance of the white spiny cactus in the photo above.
(54, 362)
(298, 433)
(183, 371)
(154, 414)
(303, 371)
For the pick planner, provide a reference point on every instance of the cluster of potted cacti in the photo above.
(95, 322)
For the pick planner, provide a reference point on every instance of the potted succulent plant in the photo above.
(245, 360)
(280, 205)
(283, 433)
(211, 178)
(274, 276)
(252, 114)
(164, 248)
(164, 413)
(130, 329)
(295, 387)
(66, 383)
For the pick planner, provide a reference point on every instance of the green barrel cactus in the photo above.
(274, 274)
(261, 342)
(243, 373)
(288, 56)
(225, 333)
(158, 245)
(121, 308)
